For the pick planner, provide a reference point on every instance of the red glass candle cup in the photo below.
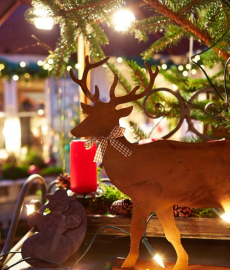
(83, 170)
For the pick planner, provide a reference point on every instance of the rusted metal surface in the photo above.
(168, 172)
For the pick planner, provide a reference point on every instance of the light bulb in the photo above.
(152, 252)
(122, 19)
(43, 21)
(225, 217)
(30, 209)
(158, 259)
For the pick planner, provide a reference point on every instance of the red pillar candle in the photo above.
(83, 170)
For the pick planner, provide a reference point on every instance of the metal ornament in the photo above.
(185, 110)
(160, 174)
(61, 228)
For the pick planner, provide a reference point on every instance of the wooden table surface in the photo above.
(198, 228)
(151, 265)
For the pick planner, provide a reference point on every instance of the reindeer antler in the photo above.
(131, 96)
(93, 97)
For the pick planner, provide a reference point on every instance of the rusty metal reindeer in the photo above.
(159, 174)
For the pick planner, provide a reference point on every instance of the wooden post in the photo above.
(82, 52)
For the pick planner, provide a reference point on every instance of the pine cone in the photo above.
(63, 181)
(121, 207)
(181, 211)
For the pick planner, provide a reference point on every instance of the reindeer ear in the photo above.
(125, 111)
(86, 108)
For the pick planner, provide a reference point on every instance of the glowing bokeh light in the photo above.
(122, 19)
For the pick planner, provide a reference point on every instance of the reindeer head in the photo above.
(103, 117)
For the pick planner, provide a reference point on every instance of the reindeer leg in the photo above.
(172, 234)
(138, 223)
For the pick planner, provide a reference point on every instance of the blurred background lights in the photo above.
(180, 67)
(12, 134)
(174, 87)
(50, 61)
(22, 64)
(188, 66)
(40, 112)
(68, 68)
(119, 59)
(3, 154)
(202, 66)
(46, 66)
(27, 75)
(15, 77)
(197, 57)
(56, 137)
(72, 123)
(2, 66)
(69, 114)
(76, 99)
(193, 71)
(40, 63)
(55, 149)
(185, 73)
(164, 66)
(77, 66)
(122, 19)
(43, 21)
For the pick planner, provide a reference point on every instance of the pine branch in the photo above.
(210, 18)
(188, 25)
(171, 37)
(192, 139)
(92, 5)
(226, 14)
(195, 4)
(139, 134)
(149, 25)
(138, 74)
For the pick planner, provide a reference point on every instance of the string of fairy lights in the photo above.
(40, 69)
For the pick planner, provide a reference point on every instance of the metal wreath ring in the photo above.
(185, 110)
(181, 104)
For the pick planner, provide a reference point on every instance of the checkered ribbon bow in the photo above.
(115, 133)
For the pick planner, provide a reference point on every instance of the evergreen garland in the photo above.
(31, 71)
(171, 18)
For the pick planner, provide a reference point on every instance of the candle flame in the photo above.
(158, 259)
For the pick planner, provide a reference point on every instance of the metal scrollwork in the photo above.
(185, 110)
